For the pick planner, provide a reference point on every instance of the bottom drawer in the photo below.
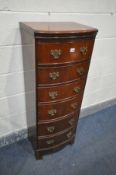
(52, 141)
(40, 152)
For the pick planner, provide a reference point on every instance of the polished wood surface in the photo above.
(70, 51)
(55, 140)
(52, 111)
(57, 27)
(56, 93)
(56, 126)
(53, 75)
(49, 150)
(62, 57)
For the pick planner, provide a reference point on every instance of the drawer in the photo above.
(63, 52)
(55, 148)
(51, 75)
(56, 110)
(55, 140)
(57, 125)
(55, 93)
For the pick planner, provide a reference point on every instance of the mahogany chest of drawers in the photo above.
(62, 57)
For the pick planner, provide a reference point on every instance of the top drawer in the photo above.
(63, 52)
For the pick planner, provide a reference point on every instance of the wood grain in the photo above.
(66, 73)
(44, 56)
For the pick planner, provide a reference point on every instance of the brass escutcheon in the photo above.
(56, 53)
(74, 105)
(51, 129)
(52, 112)
(53, 95)
(76, 89)
(54, 75)
(80, 71)
(83, 50)
(69, 134)
(71, 122)
(49, 142)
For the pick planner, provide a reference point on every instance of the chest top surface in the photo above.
(57, 28)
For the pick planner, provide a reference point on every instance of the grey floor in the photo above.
(93, 153)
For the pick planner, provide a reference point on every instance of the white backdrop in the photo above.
(101, 83)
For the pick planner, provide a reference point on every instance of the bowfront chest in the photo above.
(62, 58)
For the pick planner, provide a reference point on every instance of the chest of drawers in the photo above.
(62, 57)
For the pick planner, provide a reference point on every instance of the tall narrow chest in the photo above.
(62, 57)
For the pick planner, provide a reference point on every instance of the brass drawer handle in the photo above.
(54, 75)
(56, 53)
(53, 95)
(80, 71)
(74, 105)
(51, 129)
(49, 142)
(83, 50)
(52, 112)
(69, 135)
(76, 89)
(71, 122)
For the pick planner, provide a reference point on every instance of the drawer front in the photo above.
(56, 110)
(51, 75)
(58, 125)
(64, 52)
(54, 93)
(55, 140)
(54, 148)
